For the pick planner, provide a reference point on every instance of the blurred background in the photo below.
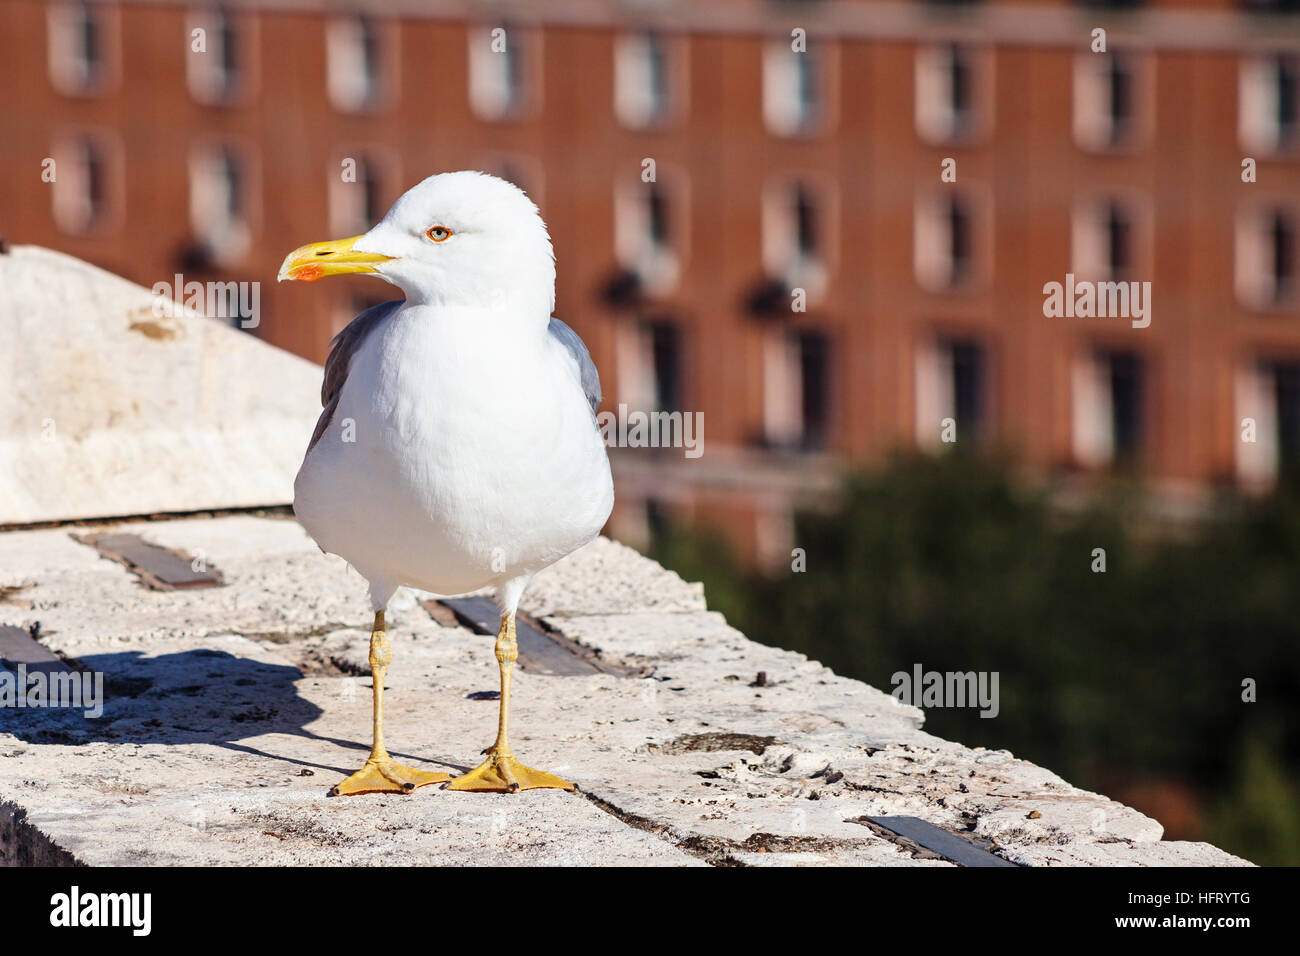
(826, 226)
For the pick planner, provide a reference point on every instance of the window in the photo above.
(649, 366)
(1108, 408)
(806, 233)
(220, 201)
(643, 81)
(499, 70)
(796, 393)
(1266, 102)
(1268, 391)
(666, 362)
(951, 383)
(945, 93)
(79, 46)
(84, 184)
(1104, 240)
(795, 240)
(214, 72)
(1266, 257)
(355, 54)
(944, 241)
(646, 234)
(357, 201)
(794, 94)
(1108, 90)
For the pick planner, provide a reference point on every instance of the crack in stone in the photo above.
(720, 851)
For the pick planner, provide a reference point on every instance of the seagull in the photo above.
(458, 447)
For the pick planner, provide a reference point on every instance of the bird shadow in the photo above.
(198, 696)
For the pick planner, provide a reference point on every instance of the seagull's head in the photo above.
(461, 238)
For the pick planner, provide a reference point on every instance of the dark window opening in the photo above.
(805, 215)
(815, 387)
(90, 41)
(807, 89)
(657, 69)
(229, 54)
(96, 187)
(368, 53)
(371, 210)
(233, 183)
(1119, 240)
(959, 88)
(1286, 98)
(514, 70)
(959, 238)
(1126, 404)
(968, 388)
(1282, 255)
(657, 216)
(1120, 97)
(665, 356)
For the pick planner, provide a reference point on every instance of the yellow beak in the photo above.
(308, 263)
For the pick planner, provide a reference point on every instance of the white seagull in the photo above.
(458, 447)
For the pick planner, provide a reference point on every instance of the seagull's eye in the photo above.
(438, 233)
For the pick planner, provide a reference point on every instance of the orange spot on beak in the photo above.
(338, 257)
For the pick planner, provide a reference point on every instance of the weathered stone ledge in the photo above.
(232, 710)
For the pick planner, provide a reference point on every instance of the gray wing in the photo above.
(586, 367)
(342, 348)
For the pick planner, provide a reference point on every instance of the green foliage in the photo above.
(1260, 811)
(1130, 675)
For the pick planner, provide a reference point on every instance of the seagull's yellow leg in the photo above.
(501, 771)
(382, 774)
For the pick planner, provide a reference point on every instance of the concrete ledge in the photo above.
(232, 710)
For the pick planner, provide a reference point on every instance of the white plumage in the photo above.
(471, 455)
(458, 448)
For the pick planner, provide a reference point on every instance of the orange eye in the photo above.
(438, 233)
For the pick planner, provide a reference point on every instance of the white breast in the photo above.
(473, 456)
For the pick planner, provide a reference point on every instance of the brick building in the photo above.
(800, 270)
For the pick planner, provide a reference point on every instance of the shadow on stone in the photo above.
(199, 696)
